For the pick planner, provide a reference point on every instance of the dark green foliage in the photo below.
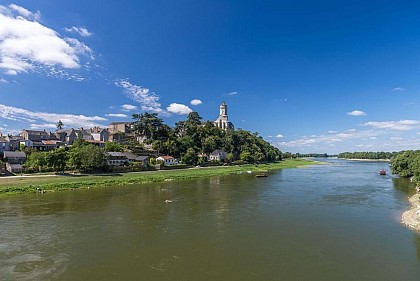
(407, 164)
(367, 155)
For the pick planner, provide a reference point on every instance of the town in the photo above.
(143, 144)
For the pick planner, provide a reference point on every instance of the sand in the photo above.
(411, 218)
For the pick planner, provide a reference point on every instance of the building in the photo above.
(168, 160)
(131, 157)
(66, 136)
(34, 135)
(14, 161)
(222, 122)
(4, 145)
(119, 127)
(116, 159)
(218, 155)
(99, 134)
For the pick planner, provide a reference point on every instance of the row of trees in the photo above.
(367, 155)
(80, 156)
(191, 137)
(407, 164)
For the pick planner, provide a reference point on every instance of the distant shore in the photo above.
(33, 184)
(411, 218)
(367, 160)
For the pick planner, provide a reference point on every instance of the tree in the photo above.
(190, 157)
(59, 125)
(148, 125)
(57, 159)
(113, 147)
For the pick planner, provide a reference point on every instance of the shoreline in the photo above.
(367, 160)
(25, 185)
(411, 218)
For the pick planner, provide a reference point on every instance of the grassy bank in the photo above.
(16, 185)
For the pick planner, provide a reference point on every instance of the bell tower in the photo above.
(223, 109)
(222, 122)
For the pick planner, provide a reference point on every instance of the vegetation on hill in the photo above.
(185, 141)
(367, 155)
(191, 137)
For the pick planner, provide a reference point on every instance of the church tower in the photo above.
(222, 122)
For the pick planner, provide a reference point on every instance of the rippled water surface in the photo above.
(339, 221)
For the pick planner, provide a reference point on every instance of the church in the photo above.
(222, 122)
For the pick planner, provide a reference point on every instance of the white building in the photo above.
(168, 160)
(222, 122)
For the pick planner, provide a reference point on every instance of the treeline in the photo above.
(367, 155)
(189, 138)
(289, 155)
(407, 164)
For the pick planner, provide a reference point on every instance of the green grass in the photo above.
(17, 185)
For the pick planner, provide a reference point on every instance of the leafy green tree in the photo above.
(113, 147)
(190, 157)
(59, 125)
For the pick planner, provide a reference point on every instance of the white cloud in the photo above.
(177, 108)
(128, 107)
(24, 12)
(118, 115)
(196, 102)
(279, 136)
(43, 126)
(27, 45)
(82, 31)
(148, 100)
(232, 93)
(398, 89)
(402, 125)
(356, 113)
(2, 80)
(69, 120)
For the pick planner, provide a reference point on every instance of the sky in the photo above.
(308, 76)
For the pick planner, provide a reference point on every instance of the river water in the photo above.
(339, 221)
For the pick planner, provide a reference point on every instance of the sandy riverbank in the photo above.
(411, 218)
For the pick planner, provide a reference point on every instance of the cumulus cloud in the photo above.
(128, 107)
(82, 31)
(177, 108)
(69, 120)
(402, 125)
(148, 100)
(196, 102)
(356, 113)
(2, 80)
(279, 136)
(27, 45)
(118, 115)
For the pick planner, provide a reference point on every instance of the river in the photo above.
(339, 221)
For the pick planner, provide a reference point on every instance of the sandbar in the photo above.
(411, 218)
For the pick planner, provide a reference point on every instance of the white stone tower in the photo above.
(222, 122)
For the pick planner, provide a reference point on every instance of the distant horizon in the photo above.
(309, 77)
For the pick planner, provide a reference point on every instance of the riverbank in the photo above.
(18, 185)
(367, 160)
(411, 218)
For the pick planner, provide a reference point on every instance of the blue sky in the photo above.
(309, 76)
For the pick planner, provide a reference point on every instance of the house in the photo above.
(218, 155)
(4, 145)
(14, 141)
(168, 160)
(203, 156)
(34, 135)
(131, 157)
(66, 136)
(84, 134)
(14, 161)
(116, 159)
(99, 134)
(119, 127)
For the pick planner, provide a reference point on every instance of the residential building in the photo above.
(222, 122)
(4, 145)
(14, 142)
(34, 135)
(116, 159)
(218, 155)
(14, 161)
(119, 127)
(168, 160)
(97, 143)
(131, 157)
(99, 134)
(66, 136)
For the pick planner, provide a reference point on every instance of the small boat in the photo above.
(382, 172)
(262, 175)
